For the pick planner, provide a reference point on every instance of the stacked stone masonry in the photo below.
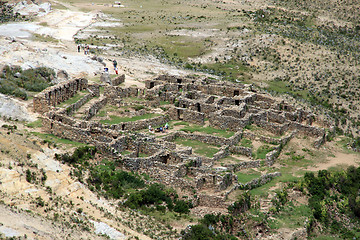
(221, 105)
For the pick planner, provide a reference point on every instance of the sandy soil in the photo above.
(340, 159)
(18, 223)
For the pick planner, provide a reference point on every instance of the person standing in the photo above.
(115, 66)
(79, 47)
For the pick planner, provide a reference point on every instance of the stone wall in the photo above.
(227, 106)
(75, 106)
(94, 89)
(210, 201)
(228, 122)
(186, 115)
(140, 124)
(205, 138)
(241, 150)
(115, 92)
(118, 80)
(243, 165)
(95, 107)
(54, 95)
(257, 182)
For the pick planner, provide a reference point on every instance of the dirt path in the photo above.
(340, 159)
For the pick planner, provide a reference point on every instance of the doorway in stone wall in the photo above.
(198, 107)
(164, 159)
(180, 114)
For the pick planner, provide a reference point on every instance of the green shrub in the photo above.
(34, 79)
(182, 207)
(112, 182)
(80, 155)
(242, 205)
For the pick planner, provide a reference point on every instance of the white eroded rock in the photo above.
(103, 228)
(14, 109)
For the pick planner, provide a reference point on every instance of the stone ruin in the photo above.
(221, 105)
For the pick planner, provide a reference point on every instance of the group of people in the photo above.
(87, 52)
(159, 129)
(86, 49)
(115, 68)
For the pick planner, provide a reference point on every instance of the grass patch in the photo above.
(43, 37)
(231, 70)
(283, 87)
(323, 237)
(198, 147)
(246, 143)
(291, 217)
(116, 119)
(125, 152)
(182, 46)
(229, 158)
(247, 177)
(74, 99)
(295, 160)
(143, 155)
(286, 176)
(133, 99)
(35, 124)
(262, 151)
(50, 138)
(208, 130)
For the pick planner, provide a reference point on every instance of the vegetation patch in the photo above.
(247, 177)
(117, 119)
(208, 130)
(52, 139)
(198, 147)
(262, 151)
(112, 182)
(246, 143)
(74, 99)
(35, 124)
(16, 82)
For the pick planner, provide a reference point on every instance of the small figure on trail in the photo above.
(116, 71)
(78, 46)
(150, 128)
(166, 126)
(115, 63)
(86, 49)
